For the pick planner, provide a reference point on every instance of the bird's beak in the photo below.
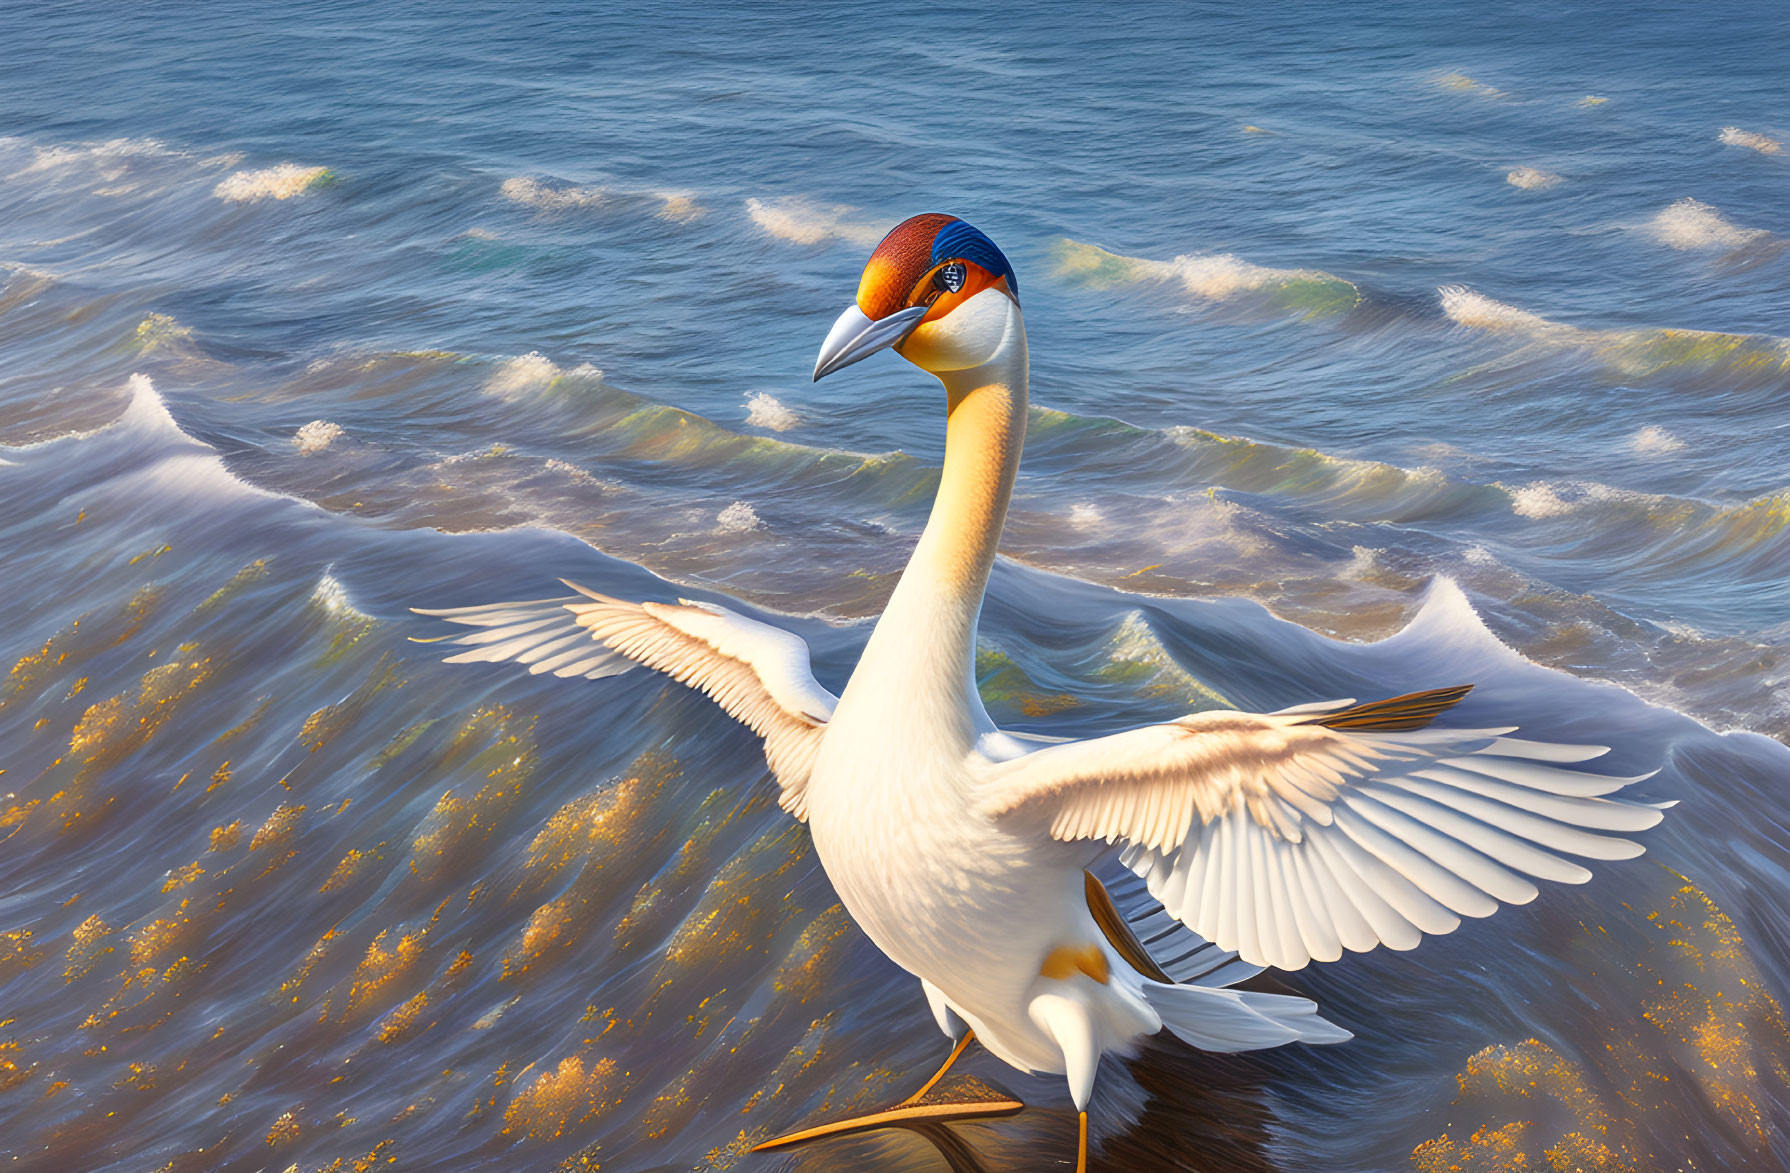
(855, 336)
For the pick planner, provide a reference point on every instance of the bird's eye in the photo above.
(950, 278)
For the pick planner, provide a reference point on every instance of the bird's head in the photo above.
(937, 291)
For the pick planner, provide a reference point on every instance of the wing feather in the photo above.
(758, 673)
(1296, 835)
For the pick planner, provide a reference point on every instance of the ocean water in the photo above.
(1374, 348)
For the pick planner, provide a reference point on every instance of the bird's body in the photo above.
(971, 907)
(962, 851)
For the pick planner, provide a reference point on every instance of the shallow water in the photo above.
(1413, 350)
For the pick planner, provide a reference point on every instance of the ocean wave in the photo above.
(533, 193)
(1543, 499)
(737, 518)
(316, 436)
(1633, 353)
(1212, 277)
(533, 373)
(803, 221)
(162, 332)
(1136, 655)
(1461, 83)
(106, 154)
(764, 410)
(281, 182)
(148, 456)
(1654, 440)
(680, 207)
(1693, 224)
(1467, 307)
(333, 598)
(1736, 137)
(676, 206)
(1531, 178)
(22, 283)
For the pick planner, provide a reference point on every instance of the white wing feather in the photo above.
(1286, 840)
(759, 674)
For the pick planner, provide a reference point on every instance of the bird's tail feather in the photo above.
(1239, 1020)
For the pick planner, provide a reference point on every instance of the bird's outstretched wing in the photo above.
(1295, 835)
(760, 674)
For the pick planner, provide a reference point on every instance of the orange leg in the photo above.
(969, 1036)
(915, 1112)
(1081, 1147)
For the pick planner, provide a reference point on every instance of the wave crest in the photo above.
(764, 410)
(533, 193)
(1211, 277)
(1531, 178)
(1634, 353)
(1736, 137)
(531, 373)
(281, 182)
(803, 221)
(1693, 224)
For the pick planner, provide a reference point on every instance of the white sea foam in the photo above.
(1212, 276)
(1479, 556)
(1764, 144)
(1538, 500)
(573, 473)
(1693, 224)
(763, 410)
(1541, 499)
(1222, 275)
(804, 221)
(1654, 440)
(51, 158)
(1364, 562)
(680, 207)
(535, 194)
(1531, 178)
(533, 372)
(279, 183)
(1638, 353)
(737, 518)
(1467, 85)
(332, 597)
(316, 436)
(1469, 308)
(1085, 515)
(1218, 276)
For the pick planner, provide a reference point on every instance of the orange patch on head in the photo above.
(903, 257)
(1065, 961)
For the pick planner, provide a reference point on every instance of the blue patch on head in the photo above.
(960, 239)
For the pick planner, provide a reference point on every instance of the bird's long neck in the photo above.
(926, 639)
(984, 431)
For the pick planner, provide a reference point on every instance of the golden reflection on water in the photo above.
(655, 864)
(1698, 1022)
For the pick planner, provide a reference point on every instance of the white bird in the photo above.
(964, 852)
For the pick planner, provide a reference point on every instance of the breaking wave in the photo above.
(804, 221)
(1693, 224)
(282, 182)
(1636, 354)
(1214, 277)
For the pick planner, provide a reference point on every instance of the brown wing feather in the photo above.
(1399, 714)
